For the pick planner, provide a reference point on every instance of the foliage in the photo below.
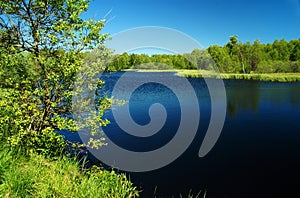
(88, 105)
(41, 56)
(143, 61)
(38, 176)
(41, 45)
(16, 125)
(236, 57)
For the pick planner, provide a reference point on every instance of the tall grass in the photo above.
(271, 77)
(37, 176)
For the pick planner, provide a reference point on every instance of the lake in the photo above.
(256, 155)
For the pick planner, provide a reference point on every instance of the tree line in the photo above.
(235, 56)
(197, 59)
(281, 56)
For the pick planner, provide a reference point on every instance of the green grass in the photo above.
(271, 77)
(37, 176)
(152, 70)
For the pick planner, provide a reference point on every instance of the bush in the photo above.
(16, 126)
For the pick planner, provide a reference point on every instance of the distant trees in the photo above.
(143, 61)
(200, 59)
(280, 56)
(234, 57)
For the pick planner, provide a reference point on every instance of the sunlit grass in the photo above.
(271, 77)
(37, 176)
(153, 70)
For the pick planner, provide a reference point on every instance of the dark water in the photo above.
(257, 154)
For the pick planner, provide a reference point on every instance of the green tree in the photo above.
(239, 52)
(256, 55)
(52, 34)
(222, 58)
(281, 50)
(200, 59)
(295, 50)
(232, 44)
(119, 62)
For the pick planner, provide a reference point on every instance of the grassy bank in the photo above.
(37, 176)
(270, 77)
(32, 164)
(153, 70)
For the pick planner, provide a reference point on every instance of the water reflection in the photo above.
(242, 98)
(251, 95)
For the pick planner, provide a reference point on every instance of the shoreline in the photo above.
(266, 77)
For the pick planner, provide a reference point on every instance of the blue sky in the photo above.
(208, 21)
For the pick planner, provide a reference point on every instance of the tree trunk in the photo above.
(242, 60)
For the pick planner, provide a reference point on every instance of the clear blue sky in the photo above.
(208, 21)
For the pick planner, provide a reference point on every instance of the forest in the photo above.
(281, 56)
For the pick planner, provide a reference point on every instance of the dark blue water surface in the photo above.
(257, 154)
